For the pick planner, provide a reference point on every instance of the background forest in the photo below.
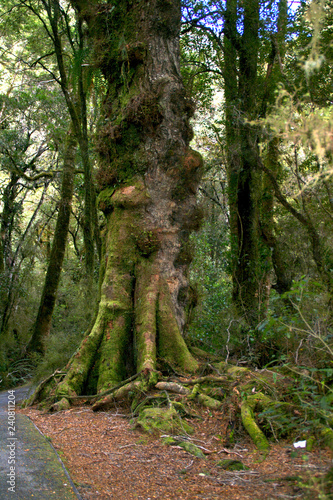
(260, 74)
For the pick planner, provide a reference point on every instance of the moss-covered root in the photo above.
(146, 291)
(171, 345)
(205, 400)
(249, 422)
(121, 393)
(81, 362)
(116, 304)
(126, 389)
(63, 404)
(43, 389)
(186, 445)
(162, 420)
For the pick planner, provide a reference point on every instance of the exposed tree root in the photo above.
(191, 448)
(249, 392)
(39, 389)
(247, 408)
(121, 393)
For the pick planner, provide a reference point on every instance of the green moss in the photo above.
(61, 405)
(113, 351)
(209, 402)
(229, 464)
(186, 445)
(81, 363)
(131, 195)
(327, 435)
(169, 440)
(191, 448)
(145, 315)
(104, 202)
(161, 420)
(252, 428)
(148, 243)
(171, 345)
(236, 371)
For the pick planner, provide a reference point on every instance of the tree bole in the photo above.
(148, 177)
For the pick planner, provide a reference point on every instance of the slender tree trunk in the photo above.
(89, 219)
(279, 258)
(2, 264)
(282, 270)
(232, 135)
(42, 325)
(10, 279)
(76, 101)
(7, 220)
(241, 54)
(148, 178)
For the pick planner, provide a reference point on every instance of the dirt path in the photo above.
(29, 466)
(108, 459)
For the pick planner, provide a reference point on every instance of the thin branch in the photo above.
(32, 65)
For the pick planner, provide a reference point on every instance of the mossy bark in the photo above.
(249, 422)
(136, 317)
(148, 177)
(244, 177)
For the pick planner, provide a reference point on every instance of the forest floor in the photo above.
(108, 458)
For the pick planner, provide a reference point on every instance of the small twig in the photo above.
(205, 449)
(297, 351)
(225, 450)
(228, 340)
(200, 380)
(273, 431)
(61, 430)
(127, 445)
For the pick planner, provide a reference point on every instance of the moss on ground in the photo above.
(161, 420)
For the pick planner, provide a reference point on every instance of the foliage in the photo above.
(209, 276)
(297, 326)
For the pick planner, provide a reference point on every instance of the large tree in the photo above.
(148, 177)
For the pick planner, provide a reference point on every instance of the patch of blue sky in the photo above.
(210, 13)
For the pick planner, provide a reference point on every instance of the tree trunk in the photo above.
(283, 272)
(6, 254)
(90, 223)
(148, 177)
(42, 325)
(240, 55)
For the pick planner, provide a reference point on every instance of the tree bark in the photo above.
(148, 177)
(282, 270)
(240, 56)
(42, 325)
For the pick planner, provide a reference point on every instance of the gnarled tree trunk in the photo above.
(148, 178)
